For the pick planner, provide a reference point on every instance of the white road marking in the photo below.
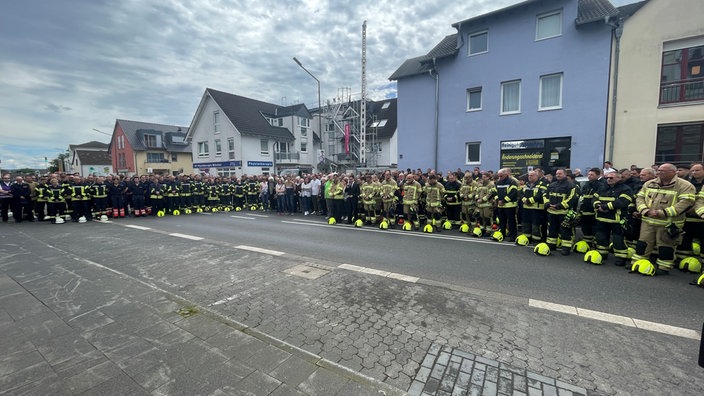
(243, 217)
(616, 319)
(184, 236)
(258, 215)
(136, 227)
(385, 274)
(260, 250)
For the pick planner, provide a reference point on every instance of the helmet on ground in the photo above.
(631, 252)
(464, 228)
(226, 209)
(581, 247)
(593, 257)
(332, 221)
(691, 264)
(447, 225)
(82, 219)
(644, 267)
(495, 226)
(358, 223)
(522, 240)
(253, 207)
(542, 249)
(59, 220)
(160, 213)
(103, 218)
(400, 221)
(176, 212)
(477, 232)
(238, 209)
(199, 210)
(384, 225)
(407, 226)
(428, 228)
(214, 209)
(497, 236)
(696, 248)
(188, 211)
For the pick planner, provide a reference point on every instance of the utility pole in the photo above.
(363, 102)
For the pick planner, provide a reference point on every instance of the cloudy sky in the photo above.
(68, 67)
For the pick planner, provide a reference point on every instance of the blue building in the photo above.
(523, 86)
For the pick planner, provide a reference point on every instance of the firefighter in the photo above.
(435, 194)
(212, 194)
(99, 192)
(611, 204)
(453, 204)
(56, 200)
(337, 197)
(484, 194)
(694, 225)
(80, 199)
(586, 209)
(368, 194)
(238, 193)
(506, 202)
(533, 201)
(138, 189)
(389, 199)
(156, 196)
(466, 196)
(226, 193)
(198, 188)
(662, 203)
(40, 198)
(252, 192)
(186, 193)
(411, 196)
(561, 199)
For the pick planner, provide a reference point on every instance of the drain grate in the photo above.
(307, 271)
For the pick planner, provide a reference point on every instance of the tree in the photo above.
(57, 164)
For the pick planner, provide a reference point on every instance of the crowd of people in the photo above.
(652, 215)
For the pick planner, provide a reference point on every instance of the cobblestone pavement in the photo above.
(386, 328)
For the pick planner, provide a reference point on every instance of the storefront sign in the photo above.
(225, 164)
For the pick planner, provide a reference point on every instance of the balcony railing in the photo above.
(156, 161)
(289, 157)
(682, 91)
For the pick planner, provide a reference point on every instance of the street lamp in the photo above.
(320, 107)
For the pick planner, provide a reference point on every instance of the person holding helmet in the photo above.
(611, 203)
(507, 202)
(484, 194)
(662, 202)
(561, 198)
(533, 207)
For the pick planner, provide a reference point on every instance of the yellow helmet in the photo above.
(477, 232)
(447, 225)
(593, 257)
(253, 207)
(497, 236)
(188, 211)
(214, 209)
(199, 210)
(160, 213)
(407, 226)
(176, 212)
(581, 247)
(358, 223)
(238, 209)
(384, 225)
(428, 228)
(227, 209)
(696, 248)
(542, 249)
(644, 267)
(332, 221)
(464, 228)
(691, 264)
(522, 240)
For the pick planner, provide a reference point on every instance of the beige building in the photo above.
(659, 66)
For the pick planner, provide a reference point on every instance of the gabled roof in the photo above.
(422, 64)
(594, 10)
(247, 115)
(389, 114)
(626, 11)
(95, 145)
(91, 157)
(136, 130)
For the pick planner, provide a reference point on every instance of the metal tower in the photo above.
(363, 103)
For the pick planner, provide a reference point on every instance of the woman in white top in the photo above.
(306, 193)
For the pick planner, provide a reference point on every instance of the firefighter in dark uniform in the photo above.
(212, 194)
(533, 199)
(586, 209)
(56, 199)
(117, 191)
(186, 193)
(80, 200)
(138, 189)
(561, 200)
(694, 224)
(198, 188)
(238, 193)
(40, 204)
(252, 192)
(99, 192)
(611, 204)
(453, 204)
(156, 196)
(507, 202)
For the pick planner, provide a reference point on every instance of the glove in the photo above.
(672, 230)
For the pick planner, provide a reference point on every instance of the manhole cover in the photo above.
(306, 271)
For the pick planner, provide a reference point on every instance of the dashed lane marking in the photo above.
(243, 217)
(136, 227)
(616, 319)
(260, 250)
(184, 236)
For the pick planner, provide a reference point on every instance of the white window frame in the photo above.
(216, 121)
(151, 139)
(466, 153)
(264, 143)
(304, 147)
(231, 148)
(469, 42)
(542, 107)
(471, 91)
(218, 148)
(501, 103)
(542, 17)
(203, 149)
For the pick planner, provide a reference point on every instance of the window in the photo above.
(304, 147)
(304, 122)
(474, 99)
(473, 153)
(174, 157)
(216, 121)
(231, 148)
(150, 141)
(281, 122)
(682, 78)
(478, 43)
(155, 157)
(203, 150)
(548, 25)
(385, 105)
(264, 146)
(304, 131)
(218, 147)
(679, 143)
(550, 92)
(511, 97)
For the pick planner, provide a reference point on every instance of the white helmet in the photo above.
(104, 218)
(82, 219)
(59, 220)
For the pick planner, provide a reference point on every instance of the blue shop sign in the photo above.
(225, 164)
(260, 163)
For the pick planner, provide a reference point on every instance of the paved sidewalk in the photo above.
(70, 328)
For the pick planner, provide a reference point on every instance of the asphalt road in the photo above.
(456, 259)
